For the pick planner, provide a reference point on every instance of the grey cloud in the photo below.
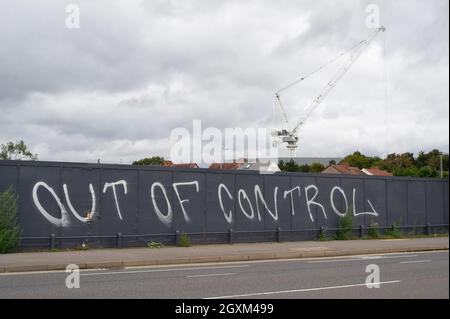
(137, 69)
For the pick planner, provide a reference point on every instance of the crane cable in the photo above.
(277, 94)
(320, 68)
(386, 99)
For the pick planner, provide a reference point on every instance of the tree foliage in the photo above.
(16, 151)
(404, 164)
(9, 228)
(155, 160)
(359, 160)
(292, 166)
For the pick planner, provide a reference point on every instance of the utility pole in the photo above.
(442, 172)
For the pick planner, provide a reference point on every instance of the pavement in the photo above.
(382, 276)
(132, 257)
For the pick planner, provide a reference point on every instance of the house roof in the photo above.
(376, 171)
(226, 166)
(346, 169)
(258, 166)
(233, 165)
(186, 165)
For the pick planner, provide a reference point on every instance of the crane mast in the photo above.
(290, 136)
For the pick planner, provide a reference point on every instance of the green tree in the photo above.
(281, 165)
(16, 151)
(291, 166)
(422, 159)
(304, 168)
(428, 172)
(9, 228)
(397, 161)
(357, 159)
(155, 160)
(316, 168)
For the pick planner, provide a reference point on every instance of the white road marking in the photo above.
(212, 275)
(233, 262)
(41, 272)
(415, 261)
(158, 270)
(301, 290)
(358, 259)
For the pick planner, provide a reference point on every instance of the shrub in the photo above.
(184, 241)
(154, 244)
(373, 231)
(393, 232)
(323, 236)
(9, 228)
(345, 227)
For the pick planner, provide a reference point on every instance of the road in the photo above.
(408, 275)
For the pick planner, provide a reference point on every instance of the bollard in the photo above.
(119, 240)
(361, 231)
(52, 241)
(230, 236)
(278, 235)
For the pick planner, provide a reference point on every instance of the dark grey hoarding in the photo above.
(65, 204)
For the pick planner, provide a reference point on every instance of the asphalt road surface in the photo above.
(408, 275)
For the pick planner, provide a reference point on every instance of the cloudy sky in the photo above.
(134, 70)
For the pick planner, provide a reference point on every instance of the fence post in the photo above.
(361, 231)
(230, 236)
(278, 235)
(119, 240)
(428, 229)
(177, 238)
(52, 241)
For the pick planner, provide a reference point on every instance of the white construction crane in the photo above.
(289, 136)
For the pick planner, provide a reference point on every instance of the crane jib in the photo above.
(290, 137)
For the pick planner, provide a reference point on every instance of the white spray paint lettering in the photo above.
(242, 194)
(165, 218)
(175, 188)
(311, 201)
(291, 192)
(59, 222)
(333, 206)
(113, 185)
(91, 214)
(258, 194)
(373, 212)
(311, 193)
(229, 216)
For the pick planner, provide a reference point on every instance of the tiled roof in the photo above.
(226, 166)
(347, 169)
(185, 165)
(376, 172)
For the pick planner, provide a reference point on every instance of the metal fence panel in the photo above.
(124, 205)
